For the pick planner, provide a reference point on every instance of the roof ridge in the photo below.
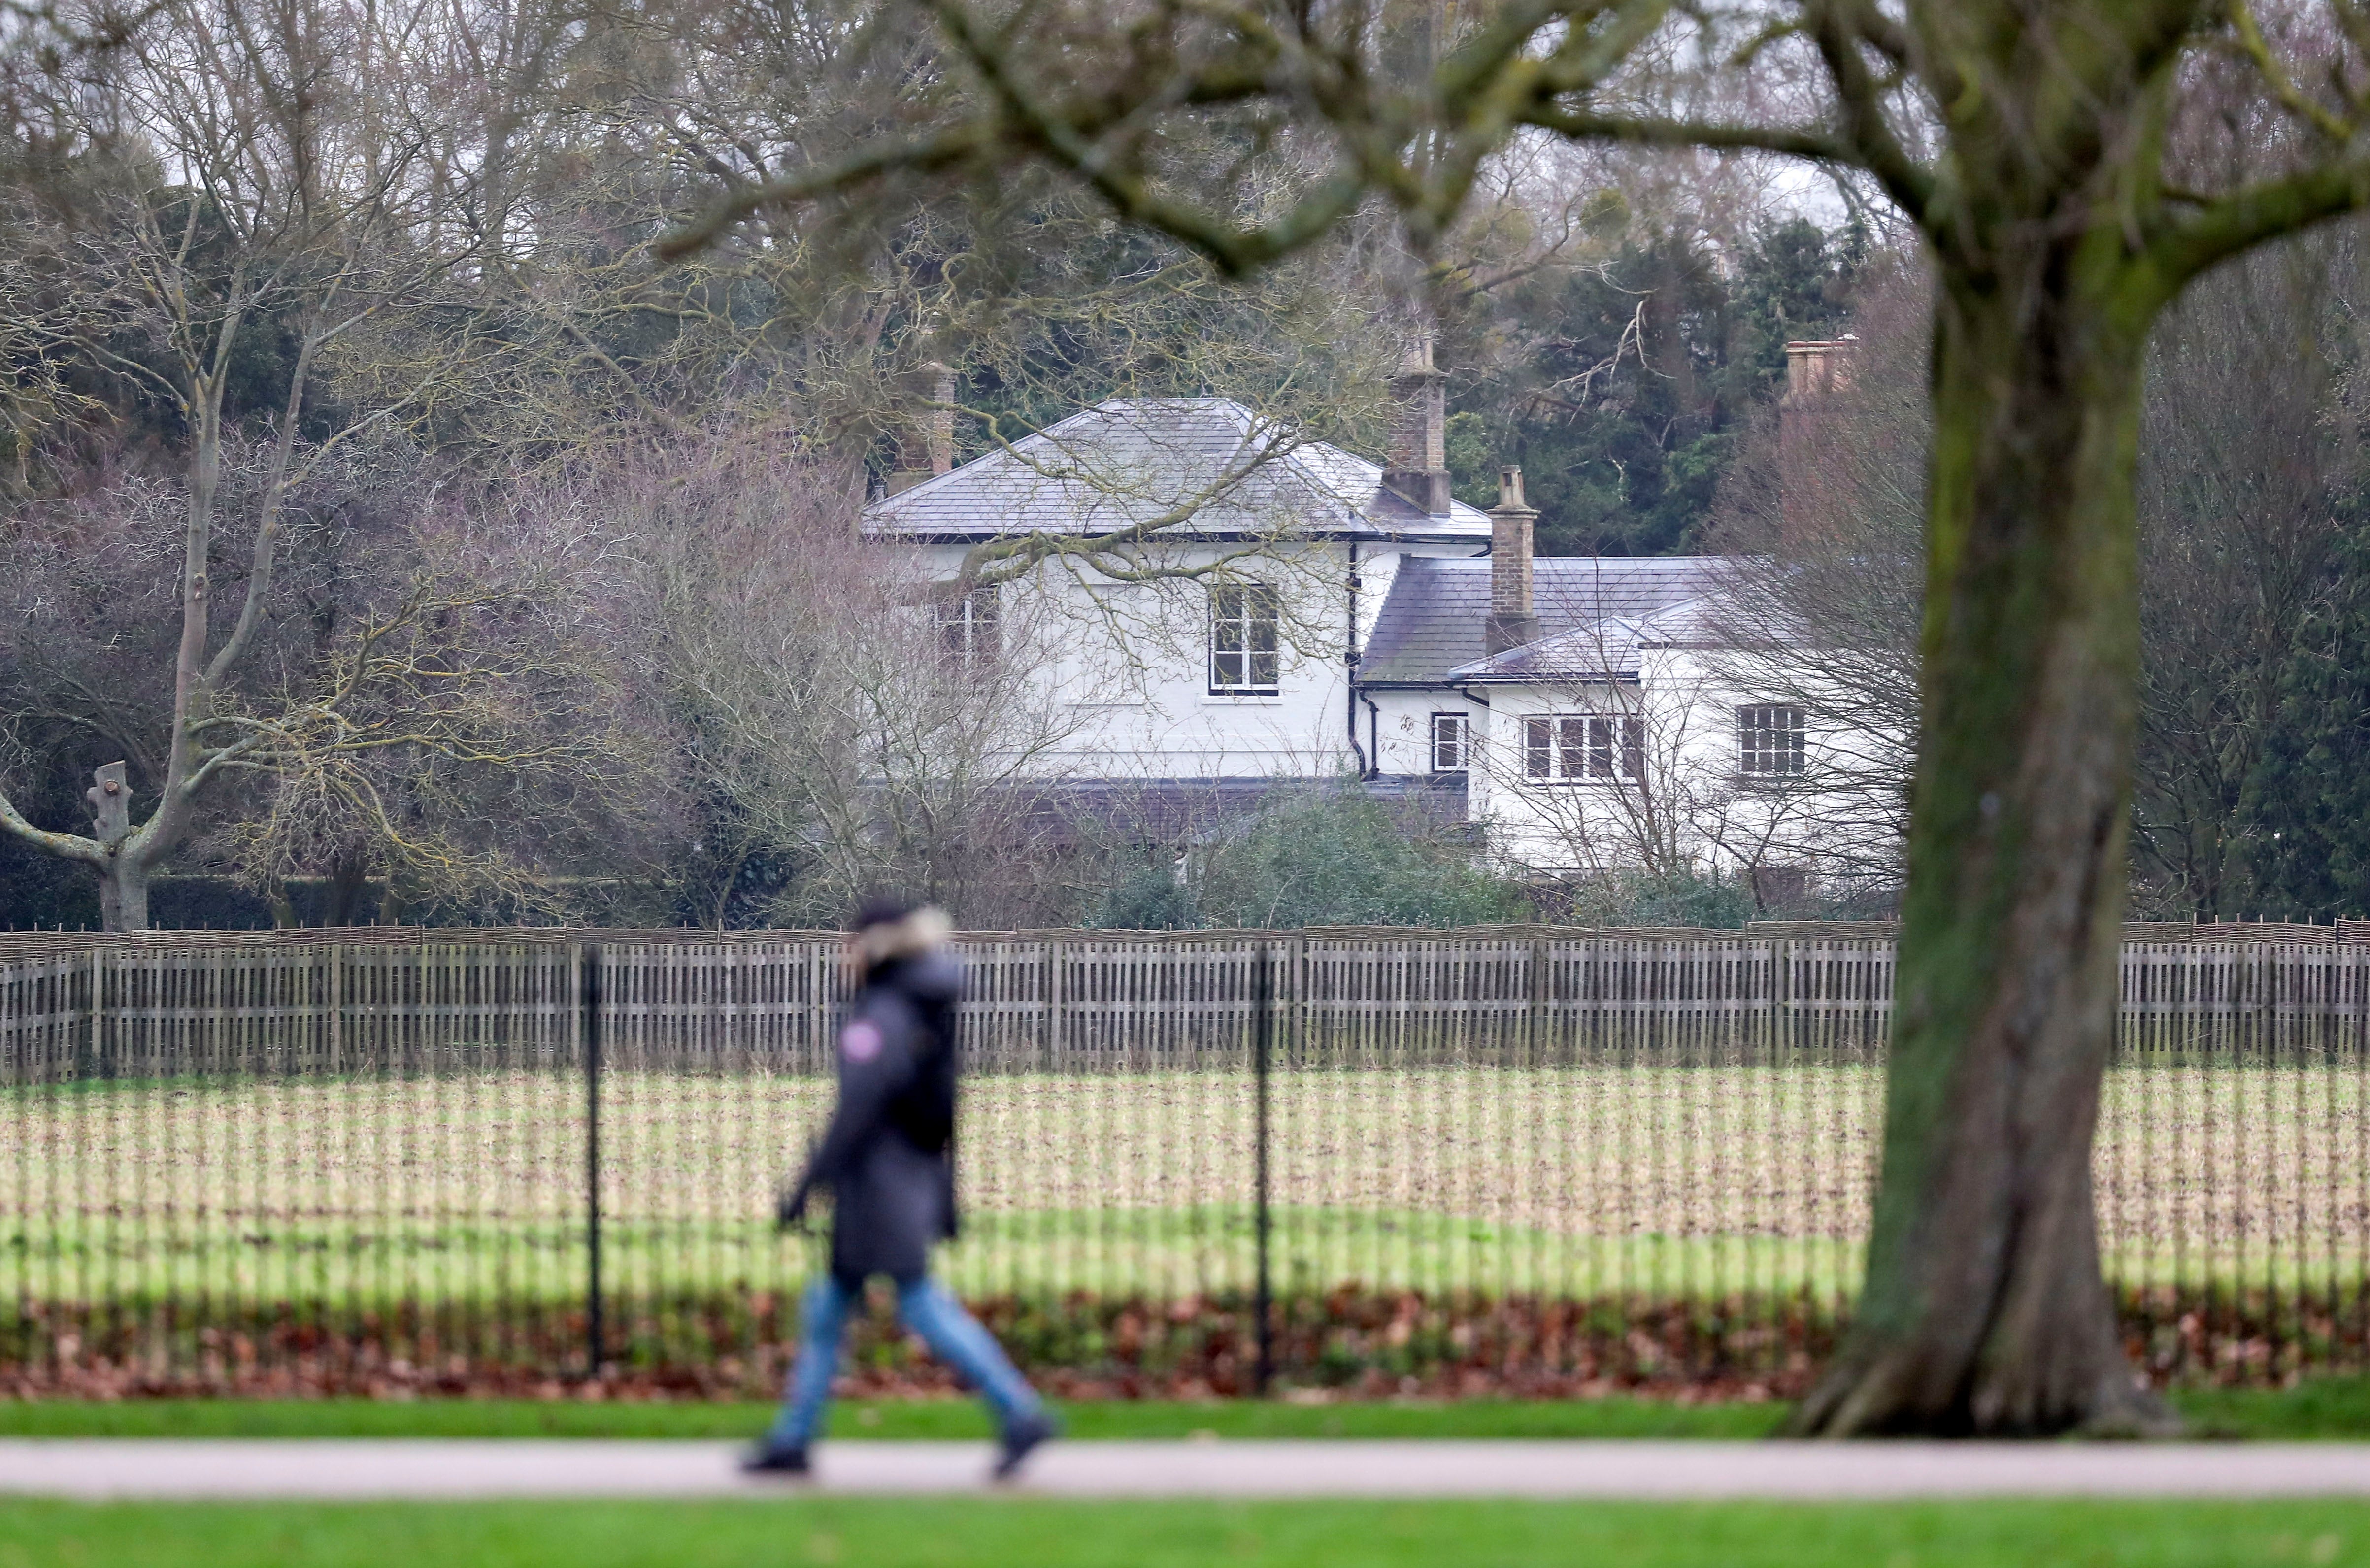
(1601, 561)
(1265, 462)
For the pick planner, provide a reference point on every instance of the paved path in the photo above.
(149, 1468)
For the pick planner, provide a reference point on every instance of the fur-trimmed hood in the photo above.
(925, 930)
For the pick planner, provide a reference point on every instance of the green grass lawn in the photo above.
(356, 1263)
(333, 1269)
(2334, 1408)
(467, 1187)
(884, 1418)
(993, 1533)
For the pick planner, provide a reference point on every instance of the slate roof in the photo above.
(1429, 629)
(1129, 461)
(1606, 650)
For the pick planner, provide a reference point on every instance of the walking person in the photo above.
(888, 1159)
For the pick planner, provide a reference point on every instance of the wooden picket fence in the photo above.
(179, 1003)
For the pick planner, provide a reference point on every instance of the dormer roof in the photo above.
(1592, 612)
(1605, 650)
(1133, 461)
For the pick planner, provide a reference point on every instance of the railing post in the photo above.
(1262, 1051)
(588, 1001)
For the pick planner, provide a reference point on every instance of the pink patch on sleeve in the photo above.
(861, 1041)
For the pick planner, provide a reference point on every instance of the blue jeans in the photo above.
(954, 1335)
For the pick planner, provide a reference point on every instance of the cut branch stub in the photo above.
(110, 804)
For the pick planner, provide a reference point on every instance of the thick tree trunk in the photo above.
(348, 879)
(1984, 1309)
(123, 894)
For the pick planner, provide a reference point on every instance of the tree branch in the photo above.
(956, 145)
(1656, 131)
(1233, 251)
(1860, 99)
(66, 846)
(2225, 225)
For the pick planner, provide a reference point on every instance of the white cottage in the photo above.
(1345, 618)
(1240, 676)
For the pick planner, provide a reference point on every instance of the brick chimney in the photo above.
(1418, 465)
(1815, 372)
(1512, 621)
(926, 448)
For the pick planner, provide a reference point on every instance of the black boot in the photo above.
(1023, 1434)
(768, 1460)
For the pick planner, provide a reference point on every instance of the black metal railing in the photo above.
(1518, 1160)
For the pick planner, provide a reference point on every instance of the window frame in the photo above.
(970, 627)
(1461, 724)
(1584, 748)
(1772, 751)
(1246, 610)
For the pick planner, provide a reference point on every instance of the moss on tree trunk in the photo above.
(1984, 1309)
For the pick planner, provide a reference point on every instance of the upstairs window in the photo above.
(1578, 748)
(1449, 736)
(969, 626)
(1245, 650)
(1769, 737)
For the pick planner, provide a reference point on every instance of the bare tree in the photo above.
(1821, 523)
(258, 237)
(843, 732)
(2250, 453)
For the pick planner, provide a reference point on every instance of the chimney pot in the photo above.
(1815, 368)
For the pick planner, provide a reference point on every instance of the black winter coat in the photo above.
(888, 1157)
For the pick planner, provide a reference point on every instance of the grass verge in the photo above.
(958, 1533)
(880, 1419)
(2331, 1408)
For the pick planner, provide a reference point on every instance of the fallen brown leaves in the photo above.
(1345, 1344)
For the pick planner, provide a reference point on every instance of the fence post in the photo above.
(1262, 1049)
(1539, 1020)
(98, 1012)
(1056, 1037)
(588, 1003)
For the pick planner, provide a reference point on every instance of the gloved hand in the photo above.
(790, 1209)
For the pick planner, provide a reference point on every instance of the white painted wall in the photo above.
(1696, 809)
(1402, 724)
(1130, 663)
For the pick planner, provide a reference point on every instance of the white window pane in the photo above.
(1448, 742)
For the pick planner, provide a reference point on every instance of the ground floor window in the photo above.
(1770, 739)
(1448, 742)
(1572, 748)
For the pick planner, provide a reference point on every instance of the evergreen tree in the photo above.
(1624, 384)
(2305, 818)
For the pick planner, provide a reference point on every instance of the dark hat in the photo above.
(883, 909)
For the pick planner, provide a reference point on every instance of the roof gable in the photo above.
(1132, 462)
